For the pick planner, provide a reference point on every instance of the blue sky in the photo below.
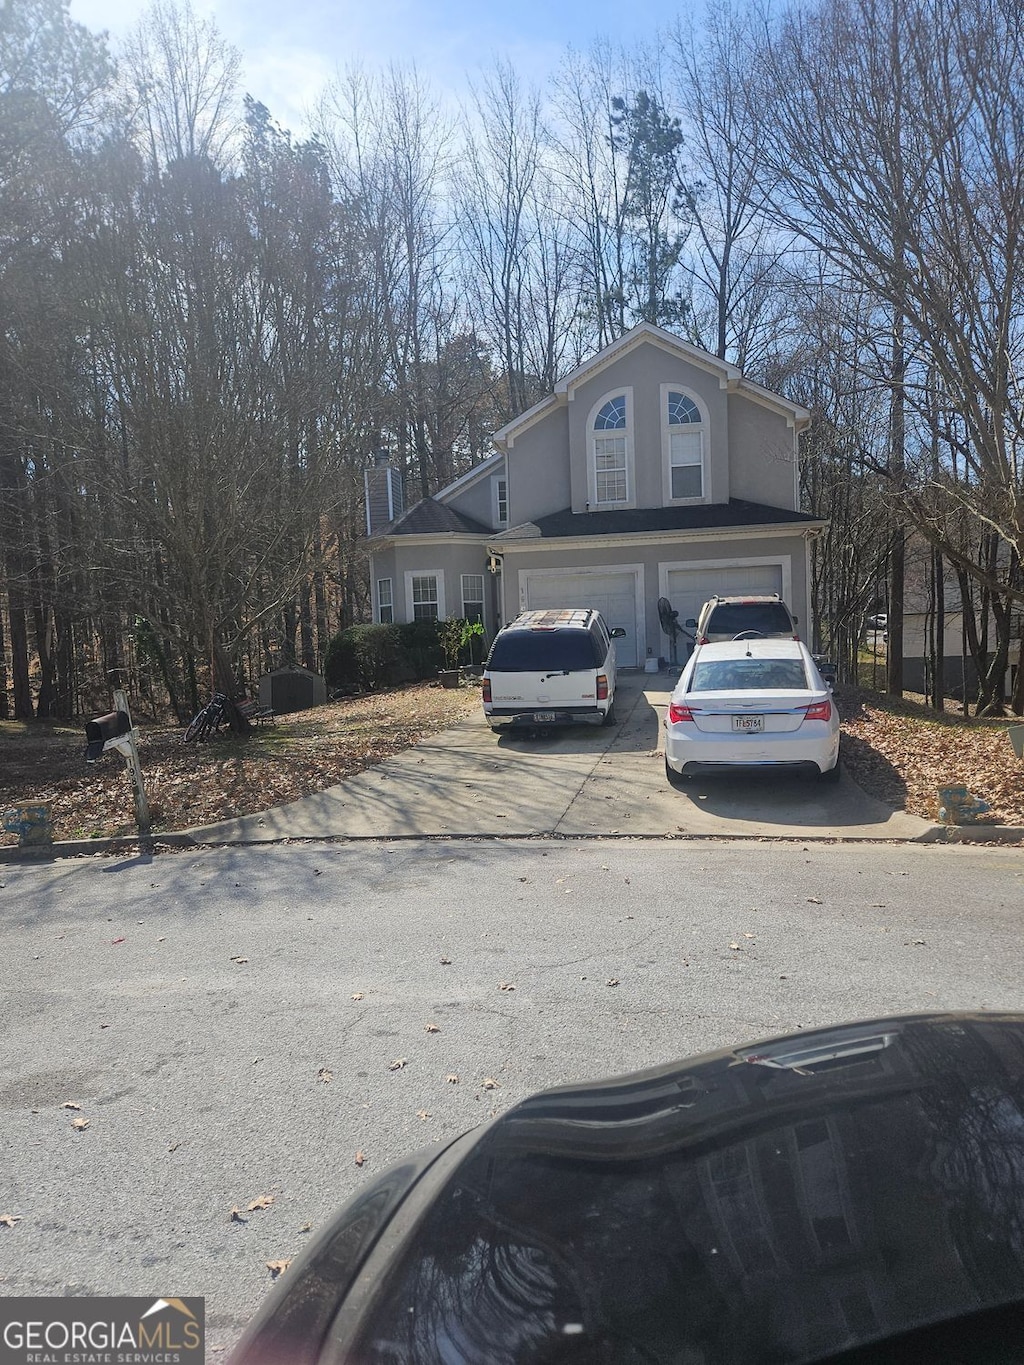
(291, 49)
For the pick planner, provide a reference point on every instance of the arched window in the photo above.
(685, 428)
(610, 452)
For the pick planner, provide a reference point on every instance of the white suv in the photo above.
(551, 667)
(729, 618)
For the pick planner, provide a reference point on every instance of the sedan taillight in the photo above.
(678, 712)
(487, 689)
(602, 687)
(821, 710)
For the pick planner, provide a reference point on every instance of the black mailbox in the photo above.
(101, 730)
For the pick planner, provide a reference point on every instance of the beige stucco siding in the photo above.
(763, 454)
(642, 372)
(446, 558)
(538, 480)
(477, 499)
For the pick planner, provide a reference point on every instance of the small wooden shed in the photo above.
(291, 688)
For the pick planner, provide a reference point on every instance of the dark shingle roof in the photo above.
(697, 517)
(429, 517)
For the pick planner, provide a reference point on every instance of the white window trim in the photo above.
(410, 574)
(482, 599)
(496, 502)
(666, 447)
(378, 603)
(630, 499)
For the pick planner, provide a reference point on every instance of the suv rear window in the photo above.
(770, 618)
(539, 651)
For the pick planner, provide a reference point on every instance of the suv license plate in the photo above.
(544, 717)
(748, 724)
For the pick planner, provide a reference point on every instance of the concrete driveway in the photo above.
(468, 781)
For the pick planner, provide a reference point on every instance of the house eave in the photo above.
(727, 374)
(431, 538)
(776, 531)
(478, 471)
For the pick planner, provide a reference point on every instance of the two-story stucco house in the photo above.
(654, 470)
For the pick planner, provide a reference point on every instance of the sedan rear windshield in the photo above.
(542, 651)
(770, 618)
(748, 675)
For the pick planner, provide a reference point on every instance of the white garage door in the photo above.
(689, 589)
(613, 595)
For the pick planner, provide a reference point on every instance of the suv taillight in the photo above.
(703, 640)
(602, 687)
(821, 710)
(487, 689)
(676, 712)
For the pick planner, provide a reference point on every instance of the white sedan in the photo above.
(752, 703)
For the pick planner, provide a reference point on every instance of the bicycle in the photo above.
(208, 721)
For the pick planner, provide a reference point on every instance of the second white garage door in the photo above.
(689, 589)
(614, 595)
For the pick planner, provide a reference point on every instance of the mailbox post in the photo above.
(115, 731)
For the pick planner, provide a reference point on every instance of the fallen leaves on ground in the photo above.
(431, 1028)
(398, 1064)
(262, 1201)
(359, 1158)
(201, 783)
(10, 1220)
(80, 1124)
(325, 1075)
(70, 1104)
(901, 752)
(278, 1267)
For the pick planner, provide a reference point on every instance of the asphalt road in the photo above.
(227, 1019)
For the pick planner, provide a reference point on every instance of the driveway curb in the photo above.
(163, 843)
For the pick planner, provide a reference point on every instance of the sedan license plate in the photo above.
(748, 724)
(544, 717)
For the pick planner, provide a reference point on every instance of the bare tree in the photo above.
(895, 134)
(181, 79)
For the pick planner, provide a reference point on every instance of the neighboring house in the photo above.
(654, 470)
(960, 676)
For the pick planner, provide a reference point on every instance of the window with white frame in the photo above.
(385, 602)
(686, 427)
(500, 490)
(473, 596)
(426, 598)
(610, 447)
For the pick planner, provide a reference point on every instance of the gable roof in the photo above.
(729, 377)
(488, 466)
(710, 516)
(430, 517)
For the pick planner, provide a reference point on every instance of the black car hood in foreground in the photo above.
(782, 1202)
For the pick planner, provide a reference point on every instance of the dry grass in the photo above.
(196, 784)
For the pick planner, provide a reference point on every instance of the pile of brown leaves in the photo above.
(199, 783)
(903, 753)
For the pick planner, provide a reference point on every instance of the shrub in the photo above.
(365, 656)
(422, 648)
